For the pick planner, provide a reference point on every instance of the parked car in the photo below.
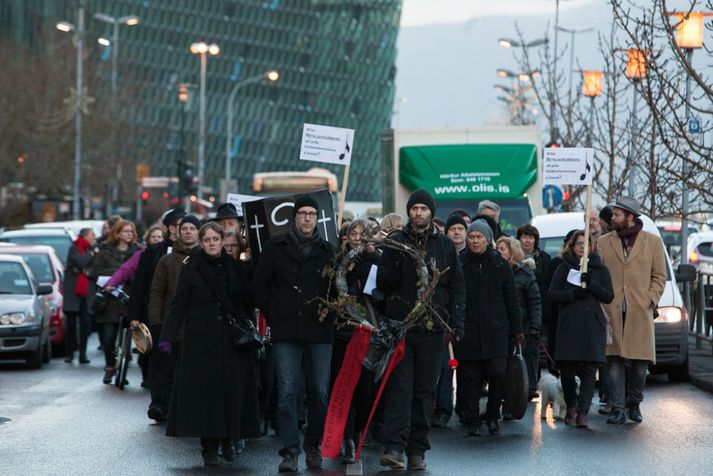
(670, 232)
(671, 325)
(48, 269)
(700, 251)
(58, 238)
(24, 314)
(73, 225)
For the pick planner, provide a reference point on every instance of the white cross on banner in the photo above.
(567, 166)
(332, 145)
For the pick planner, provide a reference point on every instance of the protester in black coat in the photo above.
(492, 316)
(409, 394)
(582, 324)
(214, 395)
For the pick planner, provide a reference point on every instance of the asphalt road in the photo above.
(61, 420)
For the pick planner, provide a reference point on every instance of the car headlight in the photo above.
(669, 314)
(13, 318)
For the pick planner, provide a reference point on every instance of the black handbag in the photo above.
(245, 335)
(100, 302)
(516, 384)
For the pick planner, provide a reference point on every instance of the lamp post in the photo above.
(115, 22)
(689, 38)
(635, 71)
(203, 49)
(592, 85)
(79, 100)
(572, 32)
(517, 89)
(272, 76)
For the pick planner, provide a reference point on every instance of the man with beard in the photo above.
(635, 260)
(290, 283)
(163, 289)
(408, 399)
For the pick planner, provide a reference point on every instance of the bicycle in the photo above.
(122, 346)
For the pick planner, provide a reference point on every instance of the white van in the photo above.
(671, 325)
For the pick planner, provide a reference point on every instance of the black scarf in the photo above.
(220, 276)
(304, 243)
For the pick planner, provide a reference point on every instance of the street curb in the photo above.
(703, 381)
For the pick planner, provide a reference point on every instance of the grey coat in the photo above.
(76, 264)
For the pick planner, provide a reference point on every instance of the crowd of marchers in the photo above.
(192, 282)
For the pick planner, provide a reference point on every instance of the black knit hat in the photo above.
(305, 200)
(190, 219)
(455, 219)
(421, 196)
(173, 216)
(606, 214)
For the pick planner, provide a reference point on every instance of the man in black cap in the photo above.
(408, 399)
(291, 281)
(635, 260)
(141, 282)
(227, 217)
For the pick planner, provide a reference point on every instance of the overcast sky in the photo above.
(420, 12)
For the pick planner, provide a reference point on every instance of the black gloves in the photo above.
(580, 293)
(586, 278)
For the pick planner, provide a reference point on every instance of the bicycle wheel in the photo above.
(123, 359)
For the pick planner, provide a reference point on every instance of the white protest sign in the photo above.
(332, 145)
(567, 166)
(238, 200)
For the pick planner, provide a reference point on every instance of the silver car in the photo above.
(24, 314)
(700, 251)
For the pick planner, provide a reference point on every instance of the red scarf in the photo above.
(82, 288)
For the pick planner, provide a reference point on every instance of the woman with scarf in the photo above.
(214, 395)
(582, 324)
(78, 295)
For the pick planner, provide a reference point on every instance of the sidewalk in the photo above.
(701, 364)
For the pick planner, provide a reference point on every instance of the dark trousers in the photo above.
(627, 378)
(531, 354)
(162, 367)
(109, 330)
(471, 374)
(363, 396)
(288, 364)
(408, 397)
(80, 319)
(586, 371)
(444, 391)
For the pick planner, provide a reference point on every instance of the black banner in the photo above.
(273, 216)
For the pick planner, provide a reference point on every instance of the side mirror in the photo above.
(44, 289)
(686, 273)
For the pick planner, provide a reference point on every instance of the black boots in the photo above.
(618, 417)
(634, 412)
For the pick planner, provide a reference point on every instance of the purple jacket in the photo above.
(126, 271)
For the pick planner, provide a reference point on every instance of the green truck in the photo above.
(461, 167)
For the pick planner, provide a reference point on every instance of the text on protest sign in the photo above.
(238, 199)
(332, 145)
(567, 166)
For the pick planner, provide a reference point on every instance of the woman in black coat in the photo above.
(492, 316)
(214, 395)
(528, 298)
(582, 325)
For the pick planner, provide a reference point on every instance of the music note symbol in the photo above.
(587, 169)
(346, 148)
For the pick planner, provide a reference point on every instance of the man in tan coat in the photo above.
(636, 262)
(163, 288)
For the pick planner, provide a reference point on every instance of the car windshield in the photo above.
(40, 266)
(705, 249)
(13, 279)
(61, 244)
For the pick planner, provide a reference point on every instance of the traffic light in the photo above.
(190, 187)
(145, 195)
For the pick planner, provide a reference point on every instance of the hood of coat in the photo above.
(528, 263)
(179, 247)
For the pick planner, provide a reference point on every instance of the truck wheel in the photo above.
(34, 360)
(679, 373)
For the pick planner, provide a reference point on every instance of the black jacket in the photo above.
(287, 287)
(214, 392)
(106, 262)
(491, 310)
(528, 298)
(141, 282)
(542, 262)
(581, 327)
(397, 278)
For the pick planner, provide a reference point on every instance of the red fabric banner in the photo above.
(396, 359)
(341, 399)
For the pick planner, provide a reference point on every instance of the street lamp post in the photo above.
(635, 71)
(572, 32)
(115, 22)
(202, 49)
(271, 75)
(79, 99)
(592, 86)
(517, 90)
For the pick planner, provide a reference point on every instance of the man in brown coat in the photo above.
(636, 262)
(163, 288)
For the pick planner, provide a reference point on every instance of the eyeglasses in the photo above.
(307, 214)
(578, 243)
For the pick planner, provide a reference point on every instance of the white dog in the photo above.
(551, 393)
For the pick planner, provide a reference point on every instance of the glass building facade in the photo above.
(336, 60)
